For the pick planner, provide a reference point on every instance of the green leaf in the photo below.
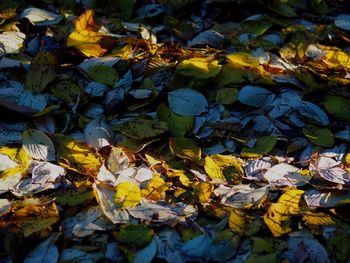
(179, 126)
(140, 129)
(104, 74)
(338, 106)
(42, 71)
(185, 148)
(318, 135)
(66, 90)
(262, 146)
(136, 236)
(229, 75)
(227, 95)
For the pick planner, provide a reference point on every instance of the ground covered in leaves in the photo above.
(174, 131)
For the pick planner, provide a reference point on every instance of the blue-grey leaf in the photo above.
(312, 111)
(187, 102)
(343, 21)
(255, 96)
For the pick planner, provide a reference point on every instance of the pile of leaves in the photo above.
(143, 131)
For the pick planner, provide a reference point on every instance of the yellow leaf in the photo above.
(86, 37)
(277, 219)
(86, 21)
(88, 42)
(212, 169)
(185, 148)
(291, 200)
(242, 60)
(16, 154)
(237, 221)
(317, 220)
(78, 156)
(155, 190)
(347, 159)
(225, 167)
(202, 191)
(35, 218)
(127, 194)
(201, 68)
(278, 215)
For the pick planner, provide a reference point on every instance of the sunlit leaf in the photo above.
(35, 218)
(315, 198)
(285, 174)
(78, 156)
(104, 195)
(224, 167)
(40, 17)
(11, 42)
(201, 68)
(86, 37)
(202, 191)
(127, 194)
(278, 215)
(156, 188)
(242, 60)
(86, 222)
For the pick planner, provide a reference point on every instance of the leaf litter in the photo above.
(139, 131)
